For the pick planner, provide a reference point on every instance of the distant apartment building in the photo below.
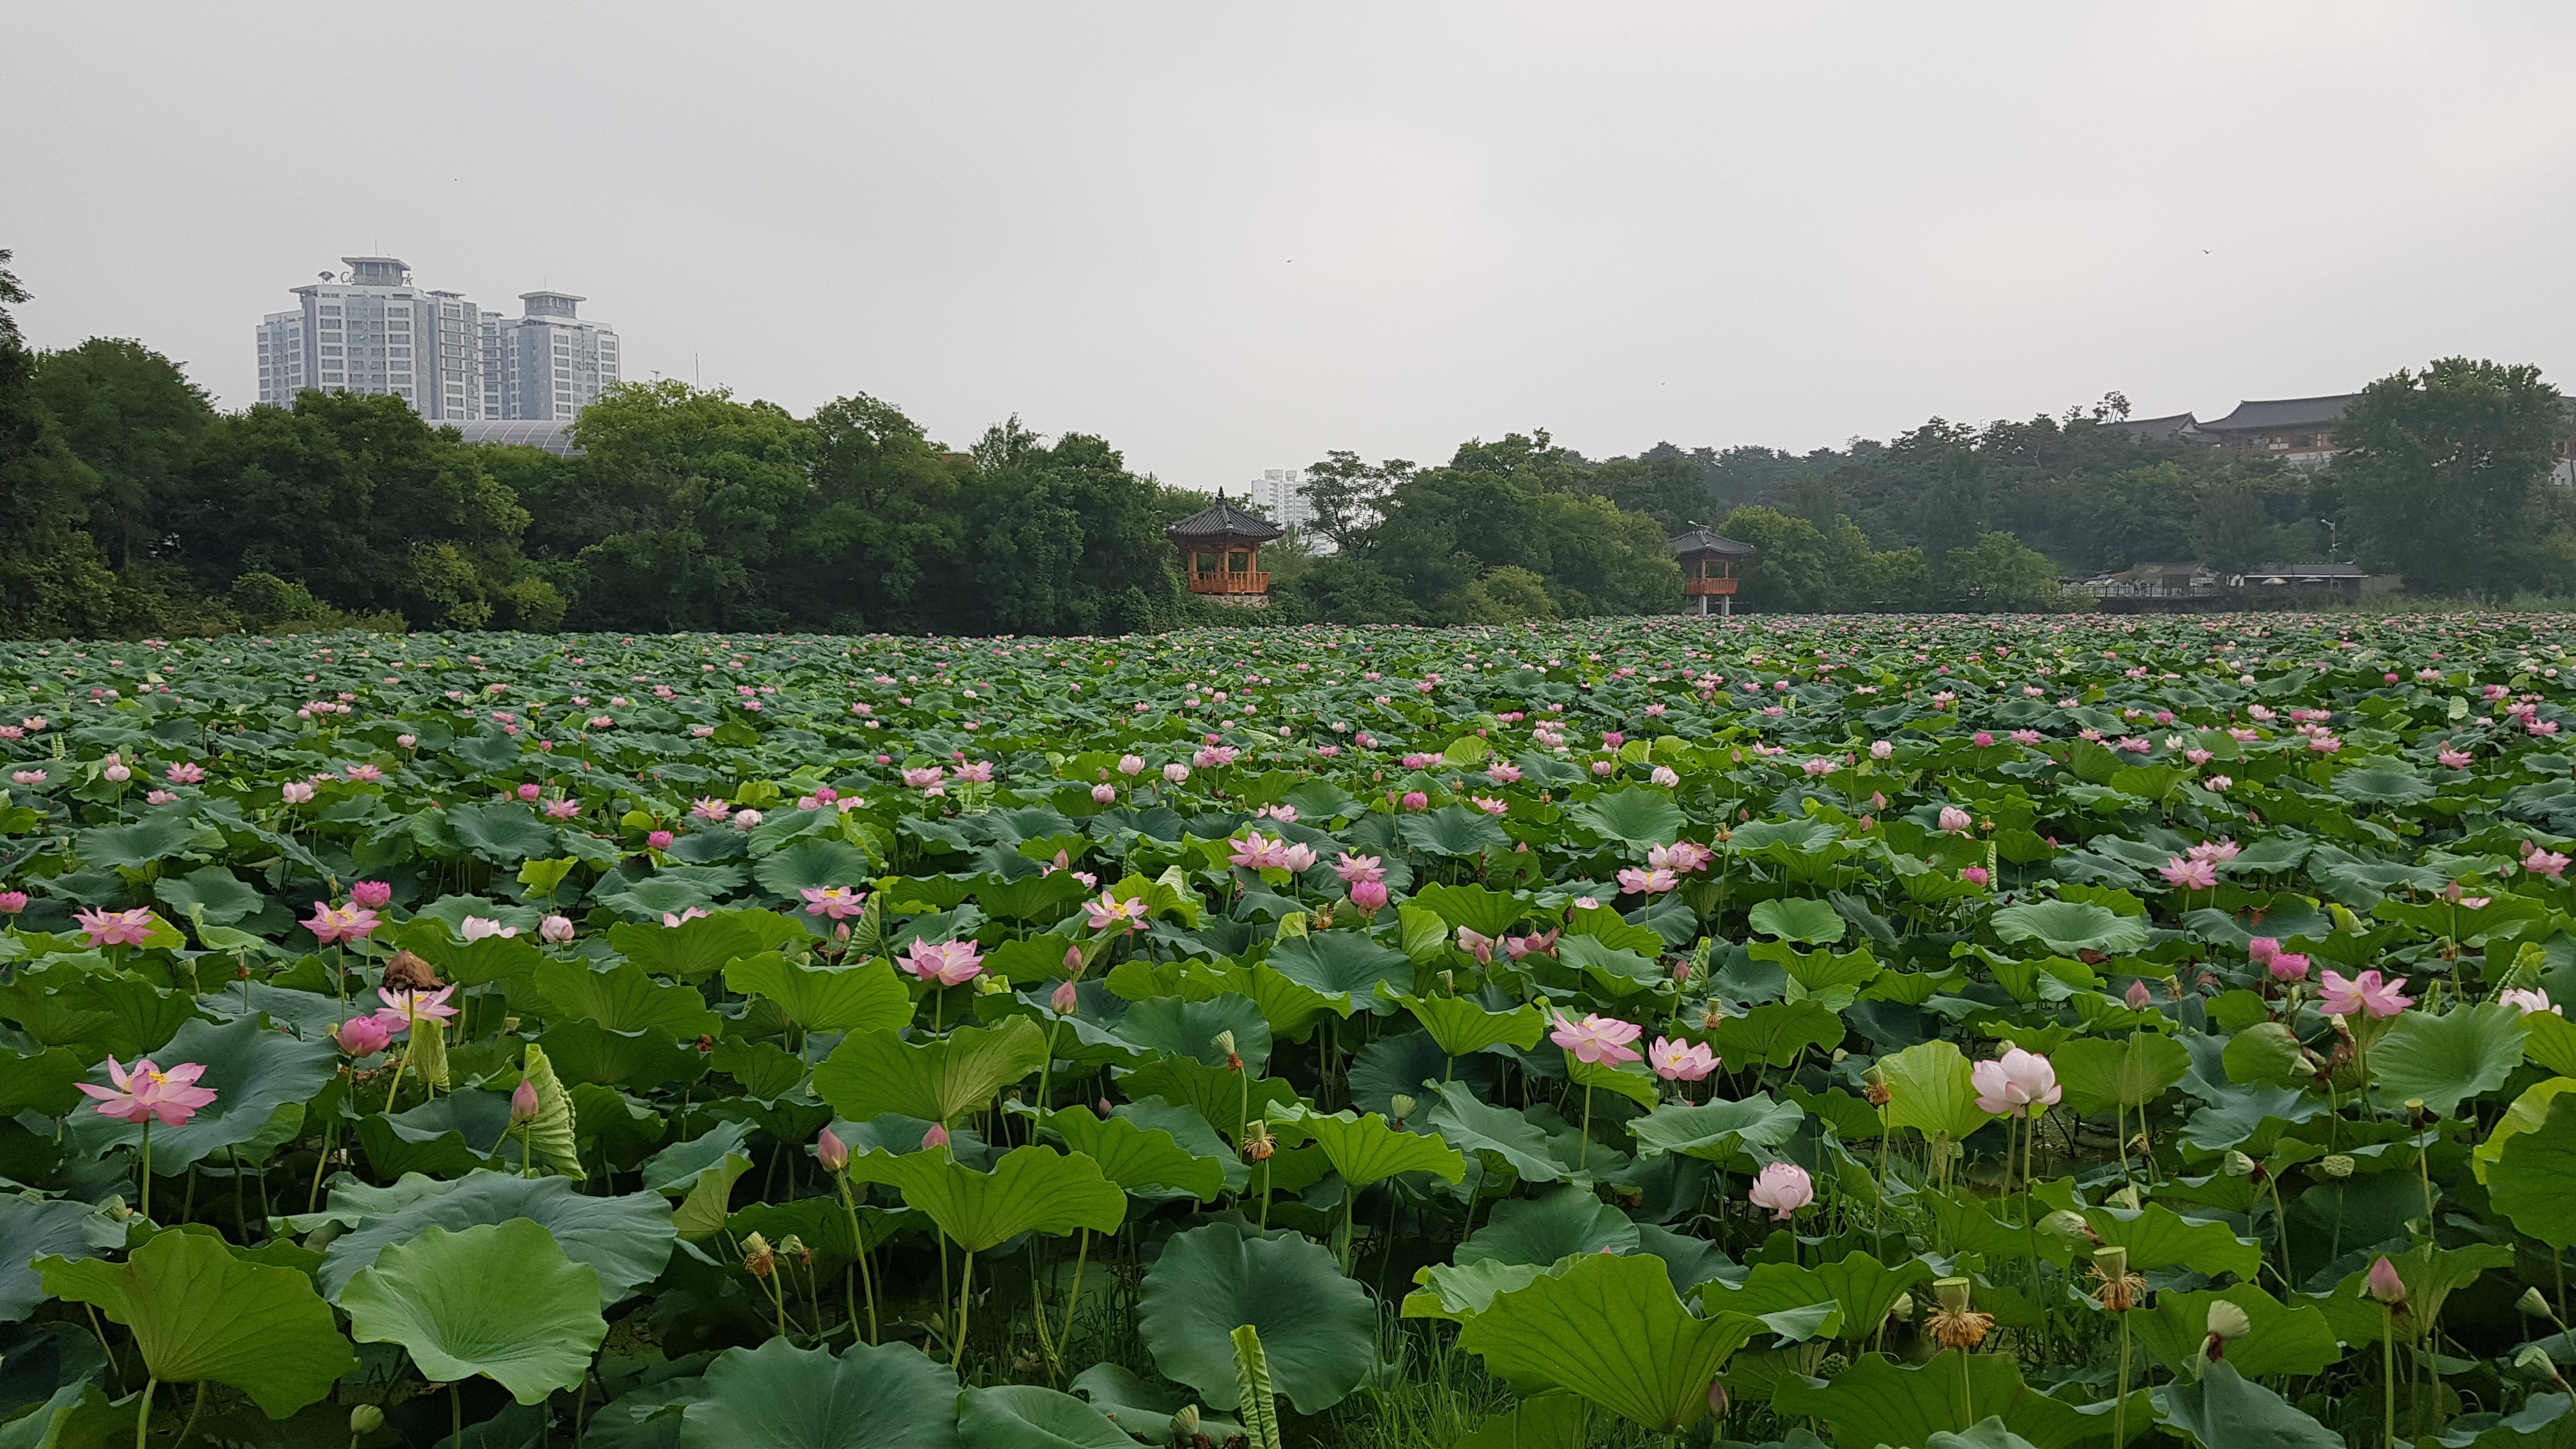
(372, 329)
(547, 362)
(1280, 494)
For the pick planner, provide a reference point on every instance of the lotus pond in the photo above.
(1880, 1031)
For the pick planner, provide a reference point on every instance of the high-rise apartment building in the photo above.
(1280, 494)
(371, 329)
(547, 363)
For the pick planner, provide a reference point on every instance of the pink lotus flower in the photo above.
(116, 928)
(2368, 992)
(1297, 858)
(1369, 895)
(672, 920)
(1954, 821)
(1596, 1038)
(2527, 1001)
(2383, 1285)
(2262, 949)
(2214, 851)
(1489, 805)
(1646, 882)
(2190, 875)
(1476, 944)
(1503, 774)
(362, 1036)
(833, 902)
(658, 840)
(364, 774)
(562, 809)
(937, 1136)
(1110, 913)
(1131, 764)
(186, 772)
(709, 808)
(373, 895)
(1680, 1061)
(295, 792)
(1681, 857)
(402, 1008)
(1176, 772)
(2218, 784)
(2544, 862)
(1416, 800)
(476, 928)
(1256, 851)
(2138, 997)
(12, 902)
(2014, 1083)
(1104, 793)
(746, 820)
(1783, 1187)
(147, 1091)
(2452, 759)
(1357, 868)
(2287, 966)
(944, 963)
(1976, 875)
(341, 923)
(1542, 944)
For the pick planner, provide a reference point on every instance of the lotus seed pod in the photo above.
(1952, 1293)
(2534, 1357)
(2068, 1227)
(1185, 1424)
(2113, 1262)
(1402, 1106)
(1903, 1307)
(2238, 1164)
(1225, 1043)
(2532, 1303)
(365, 1419)
(2335, 1165)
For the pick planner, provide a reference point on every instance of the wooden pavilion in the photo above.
(1221, 552)
(1710, 564)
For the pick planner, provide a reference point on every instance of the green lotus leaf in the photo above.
(2382, 785)
(1223, 1098)
(1620, 972)
(1345, 967)
(503, 834)
(1634, 817)
(1716, 1131)
(696, 948)
(2265, 1054)
(1776, 1034)
(40, 1082)
(1538, 1231)
(1364, 1149)
(2098, 1075)
(1134, 1156)
(1876, 1402)
(1030, 1190)
(862, 998)
(2222, 1409)
(137, 846)
(1485, 911)
(813, 863)
(200, 1314)
(1460, 1291)
(1171, 1026)
(1460, 1026)
(1929, 1089)
(1453, 830)
(217, 896)
(1611, 1330)
(778, 1396)
(1032, 1416)
(440, 1296)
(585, 1051)
(877, 1071)
(2527, 1114)
(2067, 927)
(2285, 1339)
(2465, 1052)
(1318, 1327)
(2533, 1179)
(1815, 922)
(1499, 1135)
(627, 1239)
(625, 997)
(2431, 1276)
(35, 1228)
(2158, 1237)
(1989, 1432)
(255, 1072)
(1860, 1286)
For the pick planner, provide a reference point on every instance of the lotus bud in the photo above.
(2532, 1303)
(2139, 997)
(1401, 1105)
(1448, 982)
(937, 1136)
(2335, 1164)
(523, 1103)
(2535, 1359)
(2383, 1285)
(1185, 1424)
(2069, 1228)
(831, 1151)
(365, 1419)
(1065, 999)
(1073, 962)
(1717, 1397)
(2238, 1164)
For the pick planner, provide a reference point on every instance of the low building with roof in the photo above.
(1221, 552)
(2297, 430)
(1710, 565)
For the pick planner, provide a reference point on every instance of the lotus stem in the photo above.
(1081, 1257)
(965, 1297)
(859, 1256)
(2120, 1405)
(1583, 1154)
(147, 1187)
(143, 1414)
(2388, 1376)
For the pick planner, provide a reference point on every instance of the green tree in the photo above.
(1348, 495)
(133, 420)
(2445, 470)
(885, 536)
(52, 580)
(1997, 574)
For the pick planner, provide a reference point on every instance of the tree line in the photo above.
(135, 507)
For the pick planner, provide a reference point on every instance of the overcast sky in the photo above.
(1230, 237)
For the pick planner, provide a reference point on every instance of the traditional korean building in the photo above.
(1710, 564)
(1221, 552)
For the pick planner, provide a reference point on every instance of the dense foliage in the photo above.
(1557, 1034)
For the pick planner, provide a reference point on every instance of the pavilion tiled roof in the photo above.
(1222, 520)
(1700, 540)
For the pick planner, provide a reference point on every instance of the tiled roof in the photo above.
(1222, 519)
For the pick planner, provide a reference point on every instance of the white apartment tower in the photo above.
(548, 363)
(1280, 494)
(370, 329)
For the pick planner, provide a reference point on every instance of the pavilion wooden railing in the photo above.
(1246, 583)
